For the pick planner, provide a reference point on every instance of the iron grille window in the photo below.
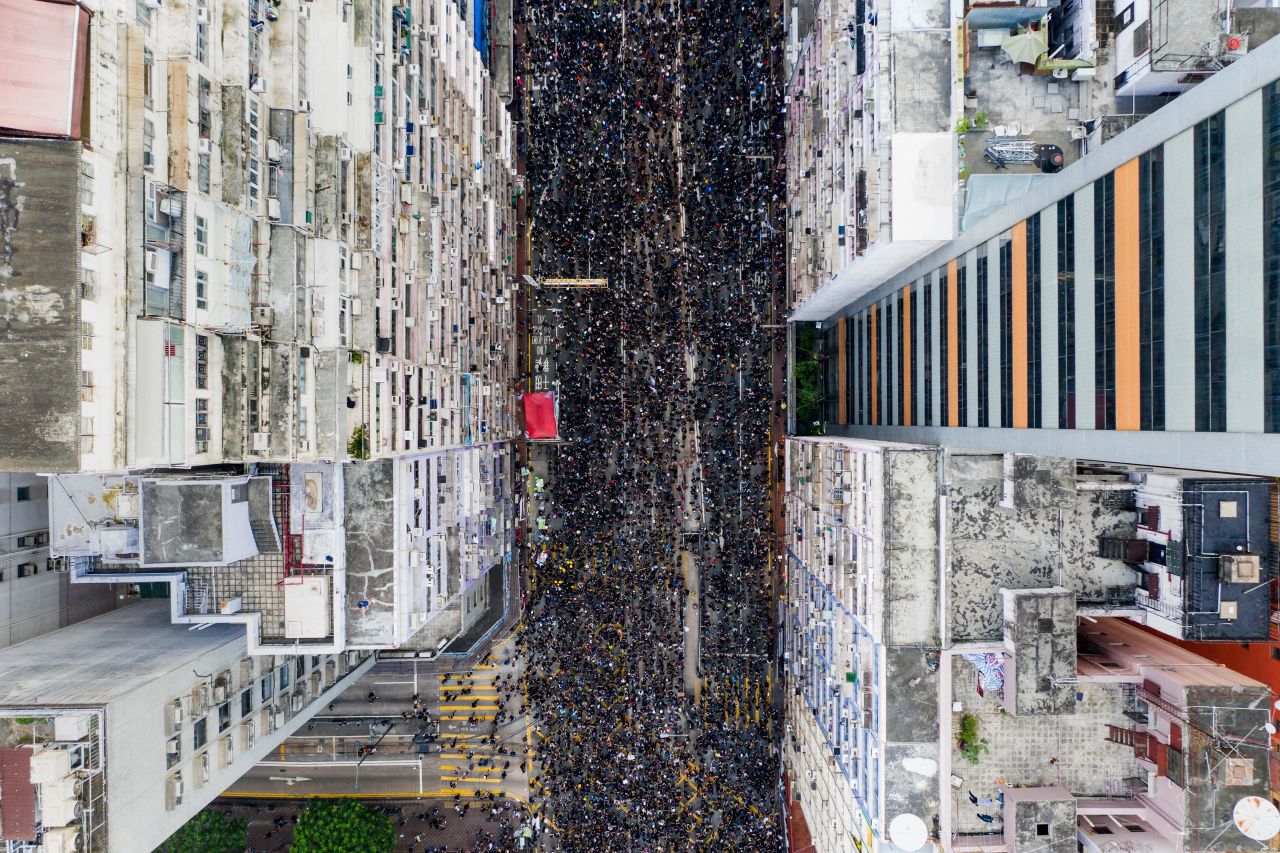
(1035, 346)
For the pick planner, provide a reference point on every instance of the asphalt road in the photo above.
(471, 751)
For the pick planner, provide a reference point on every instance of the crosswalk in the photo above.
(479, 753)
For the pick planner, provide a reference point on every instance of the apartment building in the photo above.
(1123, 312)
(270, 268)
(909, 124)
(929, 590)
(145, 724)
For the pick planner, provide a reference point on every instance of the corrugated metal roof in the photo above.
(17, 796)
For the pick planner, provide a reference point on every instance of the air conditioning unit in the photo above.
(304, 13)
(148, 160)
(275, 151)
(175, 715)
(304, 445)
(344, 154)
(273, 208)
(151, 261)
(378, 46)
(1240, 568)
(261, 442)
(206, 145)
(201, 769)
(173, 792)
(424, 119)
(219, 694)
(226, 752)
(398, 165)
(248, 735)
(304, 106)
(173, 747)
(408, 322)
(418, 531)
(355, 307)
(414, 70)
(296, 702)
(264, 315)
(202, 15)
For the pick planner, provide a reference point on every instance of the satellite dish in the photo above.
(908, 832)
(1269, 728)
(1256, 818)
(1277, 704)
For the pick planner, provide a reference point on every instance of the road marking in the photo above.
(469, 707)
(453, 718)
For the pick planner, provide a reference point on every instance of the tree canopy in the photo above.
(210, 831)
(342, 826)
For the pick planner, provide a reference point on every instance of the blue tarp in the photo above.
(480, 26)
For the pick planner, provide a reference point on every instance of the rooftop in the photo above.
(39, 300)
(106, 657)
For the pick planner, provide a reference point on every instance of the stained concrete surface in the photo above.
(370, 553)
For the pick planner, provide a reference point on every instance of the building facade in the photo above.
(945, 657)
(1124, 311)
(272, 255)
(145, 724)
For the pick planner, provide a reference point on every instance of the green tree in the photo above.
(210, 831)
(805, 378)
(342, 826)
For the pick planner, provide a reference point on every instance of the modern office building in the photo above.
(1125, 311)
(117, 730)
(264, 266)
(931, 590)
(908, 124)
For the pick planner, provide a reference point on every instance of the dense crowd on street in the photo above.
(650, 163)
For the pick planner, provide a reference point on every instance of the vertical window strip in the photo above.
(1006, 330)
(900, 372)
(962, 341)
(944, 374)
(914, 355)
(1034, 344)
(1066, 313)
(1271, 266)
(1151, 285)
(1210, 275)
(984, 348)
(850, 370)
(1104, 301)
(866, 367)
(927, 352)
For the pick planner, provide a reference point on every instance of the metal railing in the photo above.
(1144, 600)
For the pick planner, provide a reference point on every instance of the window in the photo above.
(264, 686)
(1125, 19)
(148, 144)
(224, 716)
(1006, 330)
(1151, 285)
(927, 353)
(1104, 301)
(86, 335)
(299, 666)
(202, 361)
(200, 733)
(1210, 247)
(1035, 347)
(962, 341)
(148, 76)
(1271, 256)
(202, 31)
(944, 341)
(1042, 829)
(255, 177)
(984, 347)
(202, 235)
(283, 677)
(143, 13)
(1067, 313)
(202, 290)
(23, 494)
(246, 702)
(900, 379)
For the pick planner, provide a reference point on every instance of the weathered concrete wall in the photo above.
(370, 551)
(911, 548)
(39, 305)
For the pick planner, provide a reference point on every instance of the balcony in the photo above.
(1169, 611)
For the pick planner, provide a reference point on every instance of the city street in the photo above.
(461, 748)
(649, 632)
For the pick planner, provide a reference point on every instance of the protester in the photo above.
(650, 158)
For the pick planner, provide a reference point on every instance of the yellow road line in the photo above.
(390, 795)
(455, 718)
(469, 707)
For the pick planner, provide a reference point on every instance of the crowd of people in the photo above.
(651, 159)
